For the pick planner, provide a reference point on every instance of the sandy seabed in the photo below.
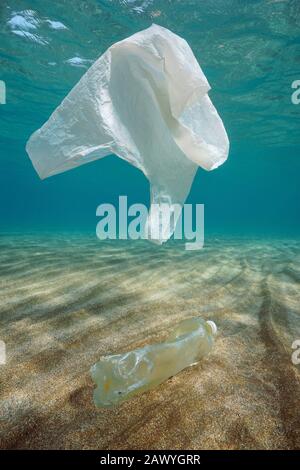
(66, 300)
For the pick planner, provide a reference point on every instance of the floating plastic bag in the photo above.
(145, 100)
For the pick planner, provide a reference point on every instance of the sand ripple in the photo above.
(65, 300)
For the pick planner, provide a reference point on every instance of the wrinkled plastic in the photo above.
(121, 376)
(145, 100)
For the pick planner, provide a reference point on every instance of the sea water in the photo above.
(249, 52)
(68, 298)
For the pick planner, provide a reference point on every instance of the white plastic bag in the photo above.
(145, 100)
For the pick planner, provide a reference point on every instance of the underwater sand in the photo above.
(66, 300)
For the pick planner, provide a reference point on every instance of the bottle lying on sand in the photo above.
(121, 376)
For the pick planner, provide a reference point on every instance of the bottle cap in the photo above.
(213, 326)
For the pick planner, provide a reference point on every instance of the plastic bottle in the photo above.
(121, 376)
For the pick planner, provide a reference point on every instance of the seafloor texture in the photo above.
(67, 300)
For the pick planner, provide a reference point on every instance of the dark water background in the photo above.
(250, 52)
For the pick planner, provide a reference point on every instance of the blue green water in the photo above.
(66, 299)
(250, 53)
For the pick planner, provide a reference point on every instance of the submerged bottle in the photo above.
(121, 376)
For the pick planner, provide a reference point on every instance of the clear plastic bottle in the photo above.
(120, 376)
